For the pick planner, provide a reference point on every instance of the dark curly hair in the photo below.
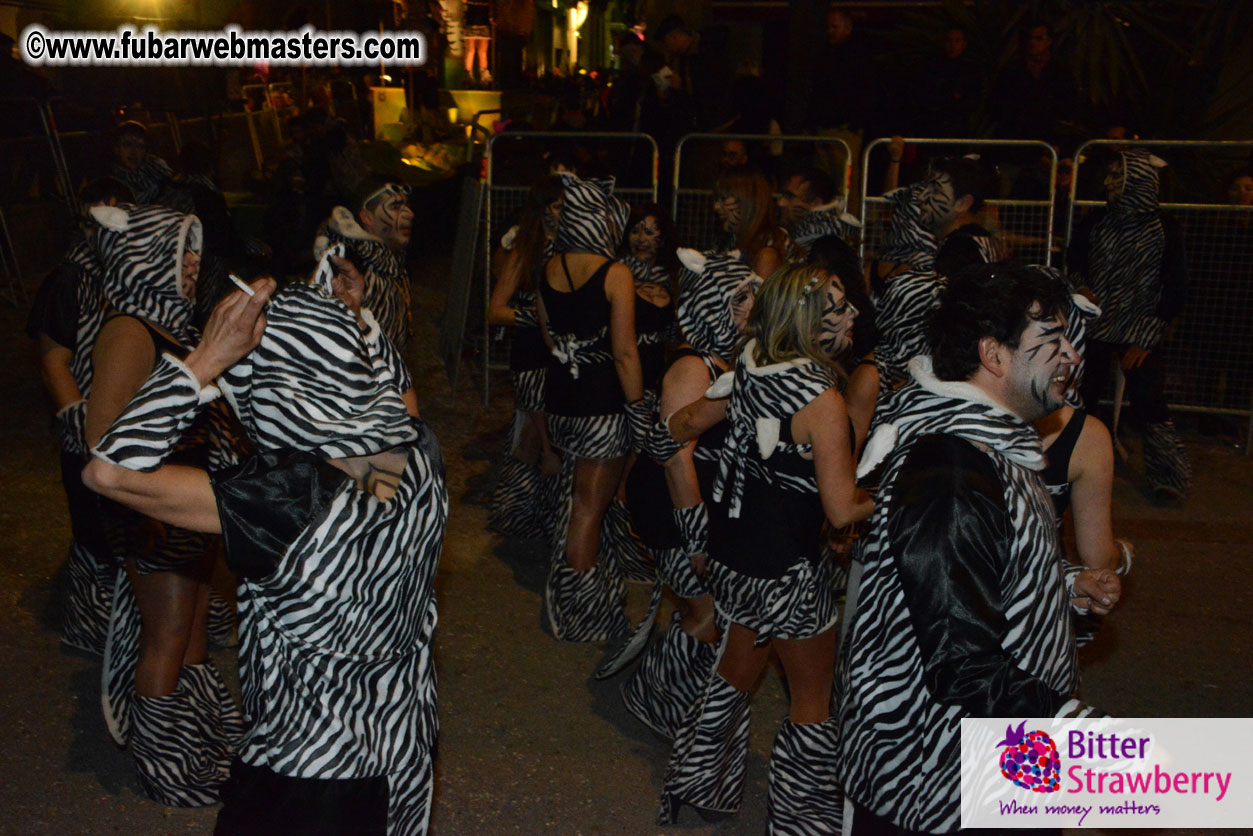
(989, 300)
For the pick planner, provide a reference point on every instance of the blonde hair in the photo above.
(786, 318)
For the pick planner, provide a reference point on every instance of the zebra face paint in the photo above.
(729, 212)
(742, 302)
(937, 203)
(388, 217)
(1040, 369)
(835, 335)
(645, 239)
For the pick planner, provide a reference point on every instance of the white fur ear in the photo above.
(506, 240)
(882, 441)
(1083, 303)
(721, 388)
(693, 260)
(974, 157)
(1157, 162)
(110, 217)
(850, 220)
(735, 253)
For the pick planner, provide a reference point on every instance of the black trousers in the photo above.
(1145, 384)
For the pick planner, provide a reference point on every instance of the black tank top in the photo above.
(1056, 473)
(578, 321)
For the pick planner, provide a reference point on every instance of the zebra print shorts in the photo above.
(676, 572)
(528, 390)
(799, 605)
(591, 436)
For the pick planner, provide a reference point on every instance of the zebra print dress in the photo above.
(336, 597)
(940, 626)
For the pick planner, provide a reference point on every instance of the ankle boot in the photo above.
(804, 797)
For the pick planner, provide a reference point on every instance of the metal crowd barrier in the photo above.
(1209, 357)
(514, 162)
(1025, 224)
(697, 163)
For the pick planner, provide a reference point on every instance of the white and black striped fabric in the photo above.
(907, 240)
(592, 219)
(804, 798)
(799, 605)
(1125, 264)
(708, 287)
(761, 398)
(710, 756)
(898, 744)
(386, 291)
(646, 273)
(902, 316)
(670, 677)
(141, 249)
(822, 221)
(147, 182)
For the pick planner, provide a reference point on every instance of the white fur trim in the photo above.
(1157, 162)
(750, 363)
(343, 222)
(372, 335)
(881, 442)
(208, 392)
(767, 435)
(693, 260)
(111, 217)
(1085, 304)
(920, 371)
(721, 388)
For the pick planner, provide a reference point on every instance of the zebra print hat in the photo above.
(141, 250)
(908, 241)
(1140, 181)
(821, 221)
(708, 287)
(316, 382)
(592, 219)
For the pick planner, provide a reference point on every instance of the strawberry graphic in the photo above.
(1030, 759)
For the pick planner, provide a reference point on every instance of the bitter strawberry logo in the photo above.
(1030, 759)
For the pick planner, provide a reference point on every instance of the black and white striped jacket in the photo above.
(961, 609)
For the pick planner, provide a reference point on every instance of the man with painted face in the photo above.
(959, 605)
(376, 229)
(1131, 258)
(955, 189)
(811, 207)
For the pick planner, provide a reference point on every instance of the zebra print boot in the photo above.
(221, 622)
(89, 599)
(620, 544)
(706, 769)
(668, 681)
(1166, 465)
(183, 742)
(513, 511)
(121, 654)
(585, 606)
(804, 798)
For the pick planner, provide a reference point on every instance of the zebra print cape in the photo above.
(592, 219)
(708, 288)
(1125, 266)
(141, 249)
(762, 397)
(386, 291)
(977, 625)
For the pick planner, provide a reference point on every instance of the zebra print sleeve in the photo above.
(150, 426)
(377, 340)
(693, 525)
(952, 532)
(72, 427)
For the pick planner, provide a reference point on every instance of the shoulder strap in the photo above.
(566, 269)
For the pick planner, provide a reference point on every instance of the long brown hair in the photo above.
(786, 319)
(757, 228)
(528, 246)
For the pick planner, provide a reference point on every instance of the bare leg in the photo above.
(697, 618)
(168, 604)
(595, 481)
(742, 661)
(810, 668)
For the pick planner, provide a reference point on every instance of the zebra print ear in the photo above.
(1157, 162)
(111, 217)
(506, 240)
(693, 260)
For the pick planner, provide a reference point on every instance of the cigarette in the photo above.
(242, 285)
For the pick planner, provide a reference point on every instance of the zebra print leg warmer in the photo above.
(514, 511)
(584, 606)
(121, 654)
(668, 681)
(706, 769)
(1166, 465)
(89, 598)
(409, 799)
(622, 548)
(183, 742)
(804, 798)
(221, 622)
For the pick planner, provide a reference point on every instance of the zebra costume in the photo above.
(673, 671)
(148, 182)
(767, 573)
(902, 315)
(337, 607)
(821, 221)
(907, 240)
(961, 606)
(181, 742)
(386, 291)
(1132, 257)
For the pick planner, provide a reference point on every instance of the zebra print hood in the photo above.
(141, 251)
(908, 241)
(932, 406)
(708, 287)
(316, 382)
(646, 273)
(592, 219)
(1139, 194)
(821, 221)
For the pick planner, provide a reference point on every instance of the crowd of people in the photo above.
(860, 468)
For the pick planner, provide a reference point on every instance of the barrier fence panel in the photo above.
(1021, 213)
(514, 162)
(699, 159)
(1209, 357)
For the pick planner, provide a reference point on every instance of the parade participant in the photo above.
(146, 175)
(960, 609)
(334, 528)
(786, 465)
(518, 506)
(744, 205)
(955, 191)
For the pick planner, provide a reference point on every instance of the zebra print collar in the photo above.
(828, 219)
